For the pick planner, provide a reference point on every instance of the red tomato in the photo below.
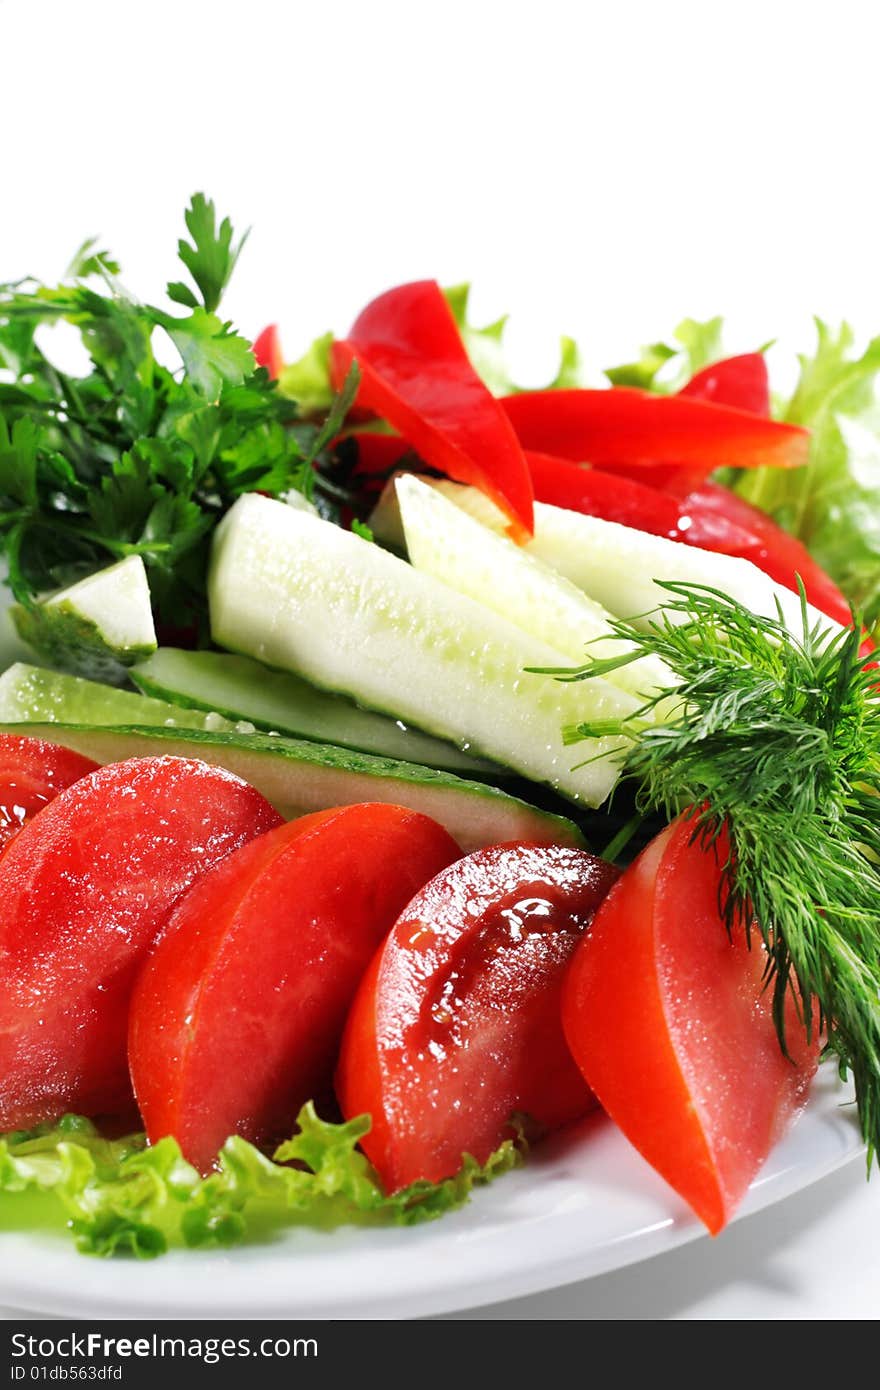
(669, 1022)
(32, 773)
(457, 1026)
(87, 885)
(238, 1014)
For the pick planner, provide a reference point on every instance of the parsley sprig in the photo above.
(135, 458)
(776, 737)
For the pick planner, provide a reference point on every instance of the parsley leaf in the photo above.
(133, 458)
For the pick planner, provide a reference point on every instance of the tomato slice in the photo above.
(672, 1028)
(32, 773)
(237, 1017)
(457, 1024)
(87, 885)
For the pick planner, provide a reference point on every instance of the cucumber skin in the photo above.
(447, 758)
(476, 815)
(67, 640)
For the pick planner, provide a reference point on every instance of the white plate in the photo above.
(584, 1203)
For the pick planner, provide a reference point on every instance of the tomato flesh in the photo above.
(672, 1028)
(87, 885)
(237, 1017)
(457, 1024)
(32, 773)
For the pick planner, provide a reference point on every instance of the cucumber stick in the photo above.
(28, 693)
(303, 595)
(299, 777)
(444, 541)
(617, 566)
(96, 627)
(241, 688)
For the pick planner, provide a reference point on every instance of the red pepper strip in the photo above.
(378, 454)
(711, 518)
(267, 350)
(738, 381)
(417, 375)
(741, 382)
(635, 428)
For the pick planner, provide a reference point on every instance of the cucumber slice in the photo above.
(306, 596)
(299, 777)
(617, 565)
(241, 688)
(444, 541)
(97, 627)
(28, 693)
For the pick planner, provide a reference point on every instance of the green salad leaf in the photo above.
(485, 347)
(123, 1196)
(665, 367)
(833, 505)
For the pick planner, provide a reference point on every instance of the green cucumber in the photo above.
(444, 541)
(96, 627)
(303, 595)
(31, 694)
(299, 777)
(241, 688)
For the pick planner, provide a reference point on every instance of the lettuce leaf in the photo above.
(664, 367)
(121, 1196)
(485, 347)
(307, 381)
(833, 505)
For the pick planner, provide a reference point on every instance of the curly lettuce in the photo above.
(121, 1196)
(833, 505)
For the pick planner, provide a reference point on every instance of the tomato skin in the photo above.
(238, 1014)
(456, 1025)
(87, 885)
(669, 1022)
(32, 773)
(416, 374)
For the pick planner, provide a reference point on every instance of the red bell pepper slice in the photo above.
(638, 429)
(416, 374)
(741, 382)
(711, 518)
(267, 350)
(378, 454)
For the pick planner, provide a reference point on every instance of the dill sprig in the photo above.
(775, 737)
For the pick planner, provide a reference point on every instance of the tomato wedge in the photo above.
(669, 1022)
(416, 374)
(457, 1026)
(638, 429)
(32, 773)
(237, 1017)
(87, 884)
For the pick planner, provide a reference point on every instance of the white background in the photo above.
(599, 169)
